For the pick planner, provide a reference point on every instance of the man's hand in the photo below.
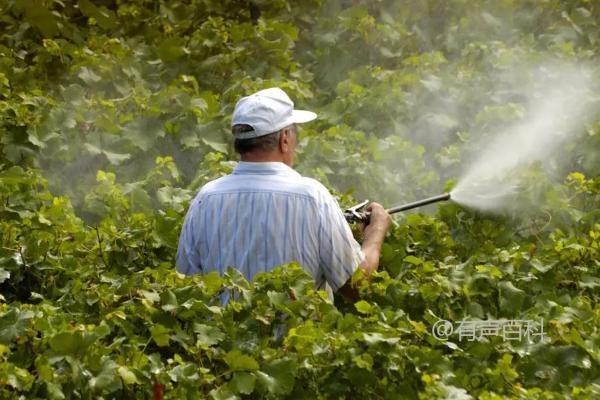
(379, 220)
(374, 234)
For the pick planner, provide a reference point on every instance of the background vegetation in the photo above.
(114, 113)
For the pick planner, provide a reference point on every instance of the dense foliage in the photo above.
(114, 113)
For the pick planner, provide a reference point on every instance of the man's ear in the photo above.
(284, 140)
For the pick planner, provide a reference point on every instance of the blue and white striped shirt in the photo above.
(264, 215)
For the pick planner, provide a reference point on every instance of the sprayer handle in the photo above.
(354, 215)
(359, 217)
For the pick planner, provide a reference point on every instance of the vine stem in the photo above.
(100, 246)
(22, 257)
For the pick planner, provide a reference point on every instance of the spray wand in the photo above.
(356, 214)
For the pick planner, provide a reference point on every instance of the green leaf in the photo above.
(88, 76)
(66, 343)
(38, 15)
(127, 375)
(115, 158)
(278, 376)
(573, 356)
(363, 307)
(4, 275)
(586, 281)
(174, 198)
(143, 132)
(14, 323)
(108, 378)
(217, 146)
(223, 393)
(138, 198)
(17, 378)
(376, 337)
(199, 104)
(54, 391)
(171, 49)
(152, 297)
(364, 361)
(160, 334)
(238, 361)
(105, 17)
(208, 335)
(14, 175)
(183, 373)
(212, 283)
(168, 300)
(413, 260)
(511, 298)
(190, 140)
(543, 268)
(243, 382)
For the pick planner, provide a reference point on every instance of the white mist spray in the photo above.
(558, 106)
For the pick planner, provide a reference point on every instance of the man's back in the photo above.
(265, 215)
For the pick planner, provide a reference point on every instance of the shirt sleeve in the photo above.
(339, 253)
(188, 260)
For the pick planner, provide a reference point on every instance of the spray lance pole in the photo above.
(356, 214)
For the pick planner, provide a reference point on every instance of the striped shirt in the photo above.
(264, 215)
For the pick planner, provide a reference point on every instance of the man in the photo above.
(265, 214)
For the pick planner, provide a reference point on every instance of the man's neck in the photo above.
(262, 157)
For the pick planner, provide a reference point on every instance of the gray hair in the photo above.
(266, 142)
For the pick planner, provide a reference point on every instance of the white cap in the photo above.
(267, 111)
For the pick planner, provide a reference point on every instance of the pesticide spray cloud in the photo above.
(559, 103)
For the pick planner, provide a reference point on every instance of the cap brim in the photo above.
(301, 116)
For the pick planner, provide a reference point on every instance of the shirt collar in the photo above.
(263, 168)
